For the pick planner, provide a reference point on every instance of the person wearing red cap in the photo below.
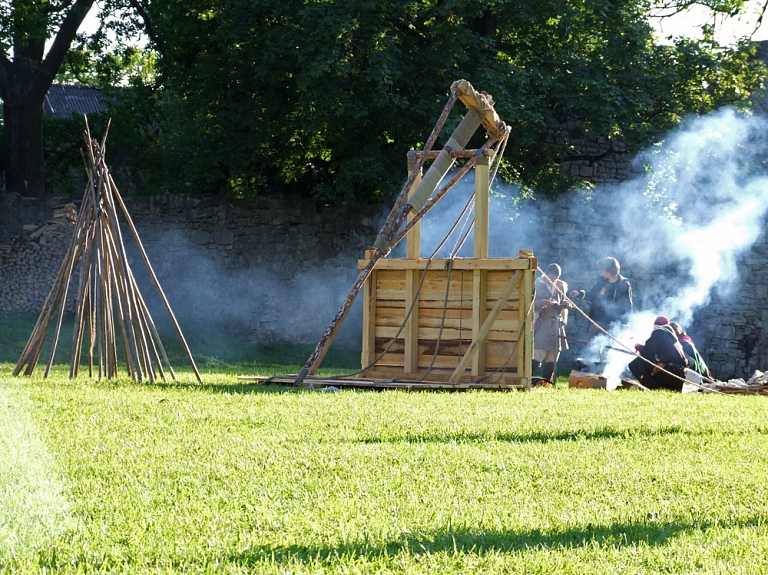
(666, 369)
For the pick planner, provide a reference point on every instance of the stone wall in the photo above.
(273, 270)
(276, 270)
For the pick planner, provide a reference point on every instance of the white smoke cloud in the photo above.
(680, 227)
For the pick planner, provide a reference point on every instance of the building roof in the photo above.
(63, 100)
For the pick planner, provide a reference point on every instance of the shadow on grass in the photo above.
(531, 437)
(479, 542)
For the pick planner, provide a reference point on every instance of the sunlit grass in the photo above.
(232, 478)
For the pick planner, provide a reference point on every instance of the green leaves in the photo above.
(324, 98)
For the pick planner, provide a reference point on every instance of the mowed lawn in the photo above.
(117, 477)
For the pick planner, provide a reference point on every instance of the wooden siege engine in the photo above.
(442, 323)
(470, 323)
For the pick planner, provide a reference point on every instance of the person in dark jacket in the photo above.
(666, 369)
(695, 361)
(610, 298)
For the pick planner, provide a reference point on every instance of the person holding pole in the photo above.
(610, 297)
(551, 307)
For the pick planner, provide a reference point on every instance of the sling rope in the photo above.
(622, 344)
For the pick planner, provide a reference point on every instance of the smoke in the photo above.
(220, 307)
(679, 228)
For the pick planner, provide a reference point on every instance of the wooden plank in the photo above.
(479, 311)
(461, 324)
(482, 181)
(505, 264)
(390, 295)
(390, 316)
(431, 333)
(483, 331)
(369, 320)
(525, 346)
(501, 354)
(427, 315)
(411, 331)
(427, 335)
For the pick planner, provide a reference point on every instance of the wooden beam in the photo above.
(411, 331)
(482, 180)
(525, 343)
(369, 318)
(497, 264)
(486, 327)
(479, 310)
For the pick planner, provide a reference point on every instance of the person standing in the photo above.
(610, 298)
(662, 362)
(551, 308)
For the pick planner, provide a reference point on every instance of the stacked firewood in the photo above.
(29, 265)
(757, 384)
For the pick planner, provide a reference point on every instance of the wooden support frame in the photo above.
(500, 293)
(415, 318)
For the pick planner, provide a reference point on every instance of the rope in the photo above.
(627, 349)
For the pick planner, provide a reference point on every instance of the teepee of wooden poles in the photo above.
(109, 308)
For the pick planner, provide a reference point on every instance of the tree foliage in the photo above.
(27, 69)
(326, 97)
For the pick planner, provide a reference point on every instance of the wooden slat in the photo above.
(369, 324)
(411, 331)
(479, 310)
(482, 178)
(485, 328)
(390, 295)
(390, 316)
(464, 314)
(509, 264)
(525, 349)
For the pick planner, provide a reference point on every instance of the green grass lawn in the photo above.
(118, 477)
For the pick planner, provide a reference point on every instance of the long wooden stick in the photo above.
(154, 279)
(479, 338)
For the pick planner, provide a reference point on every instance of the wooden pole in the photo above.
(154, 278)
(479, 338)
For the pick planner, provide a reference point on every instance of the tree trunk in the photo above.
(24, 167)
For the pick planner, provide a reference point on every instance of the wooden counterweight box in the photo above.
(470, 324)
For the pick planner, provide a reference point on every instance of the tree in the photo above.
(325, 97)
(26, 73)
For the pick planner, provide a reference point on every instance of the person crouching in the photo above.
(665, 353)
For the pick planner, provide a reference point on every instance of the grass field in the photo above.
(117, 477)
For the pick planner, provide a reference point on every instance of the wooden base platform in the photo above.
(504, 383)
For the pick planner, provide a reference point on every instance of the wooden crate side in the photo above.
(369, 321)
(504, 337)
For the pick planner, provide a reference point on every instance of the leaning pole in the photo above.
(480, 112)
